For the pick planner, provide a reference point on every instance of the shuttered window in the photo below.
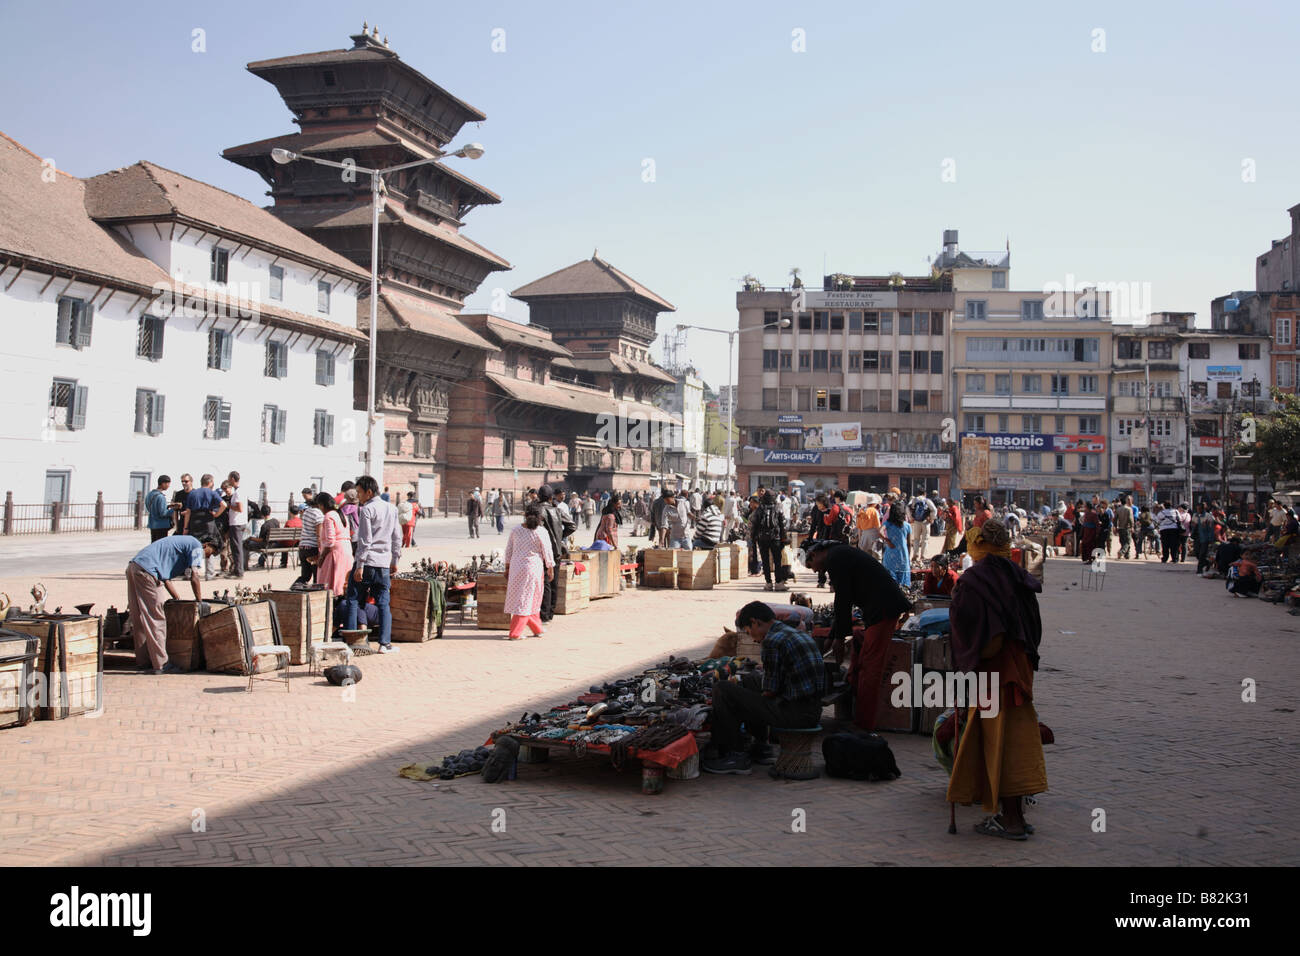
(220, 344)
(323, 296)
(277, 283)
(277, 360)
(67, 404)
(220, 264)
(75, 319)
(274, 421)
(323, 428)
(216, 418)
(324, 368)
(148, 412)
(149, 338)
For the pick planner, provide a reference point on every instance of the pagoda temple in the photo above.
(366, 106)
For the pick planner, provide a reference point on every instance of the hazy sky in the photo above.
(1122, 164)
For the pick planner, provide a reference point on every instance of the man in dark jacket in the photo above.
(559, 531)
(767, 533)
(474, 512)
(860, 580)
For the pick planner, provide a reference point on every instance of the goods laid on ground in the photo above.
(651, 717)
(18, 652)
(184, 647)
(231, 635)
(492, 615)
(306, 618)
(418, 606)
(572, 587)
(69, 662)
(603, 569)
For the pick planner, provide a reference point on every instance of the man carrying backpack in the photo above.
(767, 532)
(924, 511)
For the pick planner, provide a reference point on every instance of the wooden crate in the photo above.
(306, 618)
(18, 654)
(898, 658)
(660, 568)
(184, 648)
(722, 558)
(602, 568)
(696, 570)
(413, 621)
(492, 614)
(69, 662)
(747, 648)
(228, 643)
(739, 560)
(572, 591)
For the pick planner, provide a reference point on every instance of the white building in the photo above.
(158, 325)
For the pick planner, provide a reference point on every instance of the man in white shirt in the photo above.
(729, 507)
(1170, 526)
(379, 545)
(238, 526)
(308, 543)
(1276, 520)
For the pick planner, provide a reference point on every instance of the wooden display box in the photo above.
(492, 614)
(898, 658)
(572, 591)
(413, 621)
(602, 568)
(228, 645)
(696, 570)
(660, 568)
(184, 648)
(70, 661)
(722, 557)
(739, 560)
(17, 668)
(306, 618)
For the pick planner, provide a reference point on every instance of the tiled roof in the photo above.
(47, 222)
(357, 55)
(308, 143)
(338, 217)
(611, 363)
(147, 191)
(592, 276)
(582, 401)
(397, 310)
(516, 333)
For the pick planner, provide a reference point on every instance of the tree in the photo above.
(1276, 453)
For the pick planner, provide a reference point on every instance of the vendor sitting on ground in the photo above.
(1227, 555)
(789, 695)
(1243, 578)
(940, 578)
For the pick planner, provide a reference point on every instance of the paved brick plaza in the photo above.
(1143, 696)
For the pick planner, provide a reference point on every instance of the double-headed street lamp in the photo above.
(284, 157)
(731, 393)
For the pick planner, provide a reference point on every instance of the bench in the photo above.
(283, 541)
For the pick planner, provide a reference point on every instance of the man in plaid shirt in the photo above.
(789, 693)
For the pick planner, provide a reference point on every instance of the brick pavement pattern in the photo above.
(1140, 682)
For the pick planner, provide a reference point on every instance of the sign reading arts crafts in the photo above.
(774, 457)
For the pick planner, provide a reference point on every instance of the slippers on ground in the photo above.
(1029, 827)
(992, 826)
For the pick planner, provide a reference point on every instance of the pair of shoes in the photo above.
(533, 637)
(992, 826)
(169, 668)
(732, 763)
(387, 649)
(764, 754)
(1029, 827)
(767, 585)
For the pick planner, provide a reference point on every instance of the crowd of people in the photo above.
(348, 543)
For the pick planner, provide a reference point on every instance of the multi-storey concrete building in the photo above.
(1033, 371)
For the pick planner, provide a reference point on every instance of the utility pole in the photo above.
(1150, 489)
(1254, 394)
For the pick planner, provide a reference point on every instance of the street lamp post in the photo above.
(286, 156)
(731, 394)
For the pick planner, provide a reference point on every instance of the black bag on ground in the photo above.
(859, 757)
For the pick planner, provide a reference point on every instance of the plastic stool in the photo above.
(795, 761)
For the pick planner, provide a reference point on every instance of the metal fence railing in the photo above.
(59, 516)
